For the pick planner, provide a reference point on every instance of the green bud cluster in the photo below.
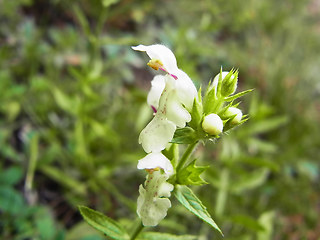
(214, 113)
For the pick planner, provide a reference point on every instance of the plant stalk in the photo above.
(137, 231)
(186, 155)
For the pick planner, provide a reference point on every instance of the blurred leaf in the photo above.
(107, 3)
(70, 105)
(104, 224)
(266, 125)
(250, 181)
(81, 231)
(247, 222)
(266, 220)
(163, 236)
(45, 224)
(11, 176)
(64, 179)
(10, 200)
(190, 201)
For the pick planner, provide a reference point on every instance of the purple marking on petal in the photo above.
(154, 109)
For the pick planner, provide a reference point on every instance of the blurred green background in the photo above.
(73, 101)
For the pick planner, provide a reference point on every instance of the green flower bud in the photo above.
(229, 82)
(234, 111)
(212, 124)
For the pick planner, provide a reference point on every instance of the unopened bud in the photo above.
(229, 82)
(234, 111)
(212, 124)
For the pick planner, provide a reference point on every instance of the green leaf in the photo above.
(103, 223)
(267, 125)
(11, 200)
(64, 179)
(190, 175)
(184, 136)
(267, 221)
(65, 102)
(247, 222)
(11, 176)
(164, 236)
(107, 3)
(240, 94)
(254, 180)
(190, 201)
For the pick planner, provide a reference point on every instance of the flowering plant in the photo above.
(181, 116)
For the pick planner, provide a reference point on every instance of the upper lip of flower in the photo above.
(161, 58)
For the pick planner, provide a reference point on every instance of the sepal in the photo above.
(196, 112)
(185, 135)
(240, 94)
(190, 175)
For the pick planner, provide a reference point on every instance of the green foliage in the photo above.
(68, 76)
(190, 175)
(163, 236)
(104, 224)
(187, 198)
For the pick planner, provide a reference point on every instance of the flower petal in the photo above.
(152, 204)
(170, 104)
(187, 91)
(157, 134)
(156, 160)
(162, 53)
(157, 86)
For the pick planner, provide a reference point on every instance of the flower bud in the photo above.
(234, 111)
(229, 82)
(212, 124)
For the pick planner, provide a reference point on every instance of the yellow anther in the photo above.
(155, 64)
(152, 170)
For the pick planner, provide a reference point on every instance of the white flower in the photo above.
(212, 124)
(170, 106)
(155, 161)
(163, 58)
(170, 113)
(153, 202)
(161, 53)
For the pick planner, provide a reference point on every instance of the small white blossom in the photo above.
(164, 59)
(212, 124)
(153, 202)
(154, 161)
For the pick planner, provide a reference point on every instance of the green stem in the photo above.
(137, 231)
(186, 155)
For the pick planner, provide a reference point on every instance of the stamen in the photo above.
(151, 170)
(155, 64)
